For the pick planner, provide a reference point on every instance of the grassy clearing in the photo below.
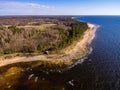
(40, 27)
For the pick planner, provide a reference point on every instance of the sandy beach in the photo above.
(77, 50)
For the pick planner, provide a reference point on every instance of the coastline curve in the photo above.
(77, 50)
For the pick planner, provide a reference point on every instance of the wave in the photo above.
(79, 61)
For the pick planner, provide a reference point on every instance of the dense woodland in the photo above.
(59, 32)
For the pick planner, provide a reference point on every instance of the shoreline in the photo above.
(78, 49)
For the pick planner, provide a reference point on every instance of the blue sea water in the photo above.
(106, 45)
(105, 57)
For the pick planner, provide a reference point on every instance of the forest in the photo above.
(31, 34)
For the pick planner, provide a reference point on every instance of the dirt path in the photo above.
(76, 50)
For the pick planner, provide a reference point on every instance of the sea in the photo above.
(100, 70)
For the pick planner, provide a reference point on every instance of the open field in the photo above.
(41, 27)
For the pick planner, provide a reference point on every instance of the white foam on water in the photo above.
(79, 61)
(30, 76)
(36, 79)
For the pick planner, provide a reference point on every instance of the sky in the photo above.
(59, 7)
